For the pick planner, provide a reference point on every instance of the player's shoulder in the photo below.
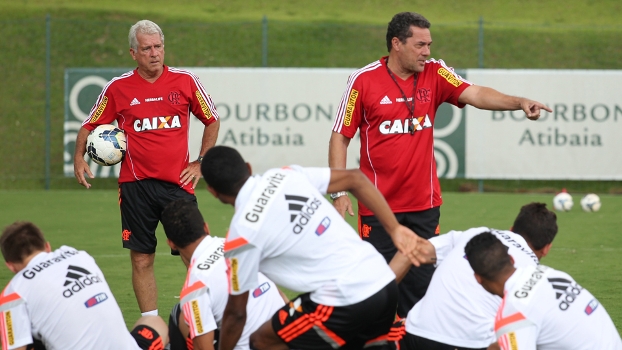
(530, 287)
(367, 72)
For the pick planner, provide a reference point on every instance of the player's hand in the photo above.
(532, 108)
(80, 166)
(418, 250)
(192, 173)
(343, 204)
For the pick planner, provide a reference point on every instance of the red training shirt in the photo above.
(156, 119)
(400, 165)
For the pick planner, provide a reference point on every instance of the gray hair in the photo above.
(144, 26)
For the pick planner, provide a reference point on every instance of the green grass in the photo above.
(588, 245)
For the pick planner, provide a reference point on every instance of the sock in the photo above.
(150, 313)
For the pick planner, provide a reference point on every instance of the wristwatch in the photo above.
(200, 159)
(336, 195)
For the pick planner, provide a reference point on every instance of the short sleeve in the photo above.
(450, 84)
(104, 111)
(350, 111)
(201, 104)
(14, 321)
(197, 308)
(318, 177)
(242, 266)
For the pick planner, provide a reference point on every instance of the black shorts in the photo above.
(141, 205)
(411, 341)
(147, 338)
(425, 224)
(304, 324)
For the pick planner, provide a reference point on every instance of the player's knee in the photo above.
(256, 342)
(142, 261)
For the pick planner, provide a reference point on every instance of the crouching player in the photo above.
(204, 295)
(284, 227)
(60, 300)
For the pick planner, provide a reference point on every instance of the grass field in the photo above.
(588, 245)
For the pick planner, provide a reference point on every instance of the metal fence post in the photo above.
(481, 42)
(480, 185)
(264, 43)
(48, 122)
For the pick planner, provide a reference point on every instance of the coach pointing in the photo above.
(393, 101)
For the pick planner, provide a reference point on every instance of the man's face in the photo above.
(150, 53)
(414, 52)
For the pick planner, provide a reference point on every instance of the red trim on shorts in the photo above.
(307, 321)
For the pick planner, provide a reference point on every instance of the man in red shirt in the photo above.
(152, 105)
(393, 101)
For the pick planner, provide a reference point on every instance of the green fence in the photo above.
(35, 52)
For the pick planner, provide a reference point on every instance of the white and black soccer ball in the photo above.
(591, 202)
(106, 145)
(563, 201)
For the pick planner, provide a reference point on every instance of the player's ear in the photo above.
(250, 168)
(171, 244)
(11, 267)
(512, 260)
(211, 190)
(545, 250)
(206, 228)
(47, 248)
(478, 278)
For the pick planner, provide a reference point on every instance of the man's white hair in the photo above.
(144, 26)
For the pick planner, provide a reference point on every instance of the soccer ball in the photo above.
(590, 202)
(106, 145)
(563, 201)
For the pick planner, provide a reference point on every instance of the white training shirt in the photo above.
(62, 299)
(205, 294)
(546, 309)
(284, 227)
(456, 310)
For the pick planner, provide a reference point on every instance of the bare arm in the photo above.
(356, 182)
(337, 156)
(486, 98)
(193, 170)
(80, 166)
(400, 264)
(233, 321)
(204, 341)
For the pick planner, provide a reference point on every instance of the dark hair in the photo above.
(400, 24)
(225, 170)
(536, 224)
(182, 222)
(487, 255)
(19, 240)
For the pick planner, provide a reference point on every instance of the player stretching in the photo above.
(60, 300)
(284, 227)
(205, 293)
(542, 308)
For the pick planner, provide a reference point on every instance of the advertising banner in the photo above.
(579, 140)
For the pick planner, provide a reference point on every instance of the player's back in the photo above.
(62, 298)
(304, 244)
(456, 309)
(548, 309)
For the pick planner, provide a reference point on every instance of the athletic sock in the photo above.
(150, 313)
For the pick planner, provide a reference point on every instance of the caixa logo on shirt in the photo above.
(399, 126)
(77, 279)
(155, 123)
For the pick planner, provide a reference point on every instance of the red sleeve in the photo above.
(201, 103)
(350, 111)
(450, 84)
(104, 111)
